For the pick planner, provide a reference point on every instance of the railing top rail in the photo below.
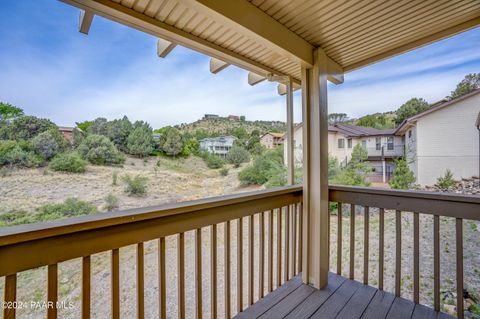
(444, 204)
(28, 232)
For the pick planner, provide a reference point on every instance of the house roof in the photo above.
(274, 134)
(407, 123)
(278, 37)
(355, 130)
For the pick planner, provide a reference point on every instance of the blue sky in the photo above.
(51, 70)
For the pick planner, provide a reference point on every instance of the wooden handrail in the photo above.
(30, 246)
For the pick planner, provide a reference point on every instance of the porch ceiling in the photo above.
(277, 36)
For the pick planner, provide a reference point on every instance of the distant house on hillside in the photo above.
(219, 146)
(67, 132)
(444, 137)
(210, 116)
(383, 147)
(272, 140)
(234, 118)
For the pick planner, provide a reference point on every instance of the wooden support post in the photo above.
(315, 174)
(290, 145)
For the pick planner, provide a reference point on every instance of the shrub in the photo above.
(224, 171)
(68, 162)
(111, 202)
(69, 208)
(267, 167)
(18, 153)
(49, 143)
(140, 141)
(15, 217)
(237, 155)
(135, 185)
(173, 144)
(27, 127)
(99, 150)
(446, 182)
(114, 178)
(356, 171)
(214, 161)
(403, 177)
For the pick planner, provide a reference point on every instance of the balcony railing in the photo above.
(276, 212)
(266, 224)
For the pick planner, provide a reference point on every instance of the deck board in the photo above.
(341, 298)
(379, 306)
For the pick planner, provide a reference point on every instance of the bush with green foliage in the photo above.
(411, 108)
(356, 171)
(135, 186)
(213, 161)
(9, 111)
(111, 202)
(140, 141)
(267, 167)
(68, 162)
(237, 155)
(15, 217)
(71, 207)
(190, 146)
(224, 171)
(173, 144)
(18, 153)
(446, 182)
(49, 143)
(99, 150)
(403, 177)
(25, 128)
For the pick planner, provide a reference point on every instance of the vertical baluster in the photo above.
(213, 271)
(181, 274)
(300, 236)
(339, 238)
(286, 273)
(270, 251)
(162, 279)
(279, 247)
(226, 265)
(240, 265)
(86, 287)
(398, 251)
(416, 258)
(459, 251)
(250, 260)
(436, 262)
(381, 248)
(115, 284)
(198, 273)
(10, 296)
(352, 241)
(366, 229)
(140, 282)
(261, 251)
(52, 294)
(294, 240)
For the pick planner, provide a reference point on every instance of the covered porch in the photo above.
(282, 237)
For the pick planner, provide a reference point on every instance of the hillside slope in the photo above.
(223, 126)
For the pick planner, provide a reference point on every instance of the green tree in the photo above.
(237, 156)
(140, 141)
(446, 182)
(49, 143)
(84, 126)
(242, 118)
(26, 127)
(99, 150)
(411, 108)
(266, 168)
(119, 130)
(190, 146)
(468, 84)
(99, 126)
(403, 177)
(9, 111)
(356, 171)
(173, 142)
(377, 120)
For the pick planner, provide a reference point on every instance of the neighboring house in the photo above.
(219, 146)
(210, 116)
(444, 137)
(234, 118)
(272, 140)
(67, 132)
(383, 147)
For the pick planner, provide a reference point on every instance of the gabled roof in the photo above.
(274, 134)
(355, 130)
(407, 123)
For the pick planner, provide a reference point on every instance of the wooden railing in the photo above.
(48, 244)
(384, 201)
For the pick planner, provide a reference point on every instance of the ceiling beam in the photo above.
(129, 17)
(85, 21)
(282, 88)
(217, 65)
(164, 47)
(255, 78)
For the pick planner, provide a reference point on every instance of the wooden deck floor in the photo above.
(342, 298)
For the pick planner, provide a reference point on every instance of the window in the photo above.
(341, 143)
(378, 143)
(349, 143)
(390, 143)
(364, 144)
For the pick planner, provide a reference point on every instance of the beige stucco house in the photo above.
(444, 137)
(272, 140)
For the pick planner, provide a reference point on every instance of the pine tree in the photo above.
(173, 142)
(403, 177)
